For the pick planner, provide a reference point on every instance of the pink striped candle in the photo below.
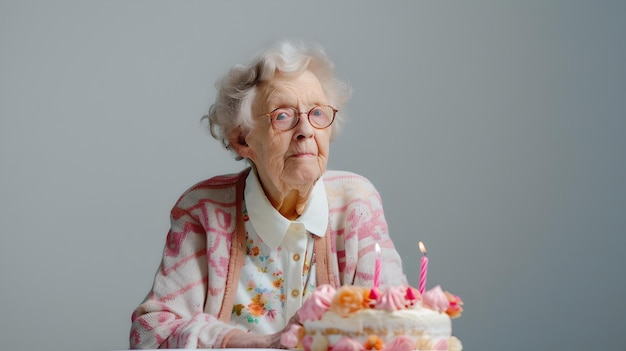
(377, 267)
(423, 268)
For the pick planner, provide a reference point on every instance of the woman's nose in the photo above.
(303, 129)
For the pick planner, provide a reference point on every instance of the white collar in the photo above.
(270, 225)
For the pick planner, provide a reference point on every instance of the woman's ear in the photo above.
(239, 144)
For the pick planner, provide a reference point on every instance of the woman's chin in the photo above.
(302, 175)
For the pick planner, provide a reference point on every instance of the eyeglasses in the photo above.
(286, 118)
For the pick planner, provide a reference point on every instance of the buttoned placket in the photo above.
(294, 247)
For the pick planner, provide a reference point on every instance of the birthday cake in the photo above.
(352, 318)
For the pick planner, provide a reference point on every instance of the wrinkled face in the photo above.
(296, 157)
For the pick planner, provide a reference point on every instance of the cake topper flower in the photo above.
(412, 296)
(349, 299)
(373, 297)
(455, 307)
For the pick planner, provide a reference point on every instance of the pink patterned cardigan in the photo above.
(191, 300)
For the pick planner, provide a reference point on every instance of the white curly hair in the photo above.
(232, 111)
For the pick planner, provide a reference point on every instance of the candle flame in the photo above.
(422, 247)
(377, 247)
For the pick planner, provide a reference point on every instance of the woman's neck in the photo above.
(289, 202)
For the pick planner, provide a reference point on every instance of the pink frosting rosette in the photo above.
(391, 299)
(401, 343)
(314, 307)
(347, 344)
(291, 337)
(436, 299)
(442, 345)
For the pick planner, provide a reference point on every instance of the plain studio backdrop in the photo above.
(495, 133)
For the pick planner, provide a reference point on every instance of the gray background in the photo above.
(493, 131)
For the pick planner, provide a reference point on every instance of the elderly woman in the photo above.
(244, 250)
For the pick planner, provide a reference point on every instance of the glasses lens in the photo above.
(321, 116)
(283, 118)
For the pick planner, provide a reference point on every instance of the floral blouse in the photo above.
(274, 280)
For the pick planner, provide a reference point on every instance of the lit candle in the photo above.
(423, 268)
(377, 267)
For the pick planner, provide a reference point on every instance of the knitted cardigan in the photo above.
(192, 297)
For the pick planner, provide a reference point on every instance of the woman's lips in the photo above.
(304, 154)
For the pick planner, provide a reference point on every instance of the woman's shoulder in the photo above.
(221, 181)
(347, 182)
(343, 176)
(219, 188)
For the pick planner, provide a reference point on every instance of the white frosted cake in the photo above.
(353, 318)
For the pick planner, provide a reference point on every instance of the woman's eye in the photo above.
(318, 112)
(281, 116)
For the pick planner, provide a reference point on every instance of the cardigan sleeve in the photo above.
(363, 225)
(172, 315)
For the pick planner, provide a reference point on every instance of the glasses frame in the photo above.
(298, 114)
